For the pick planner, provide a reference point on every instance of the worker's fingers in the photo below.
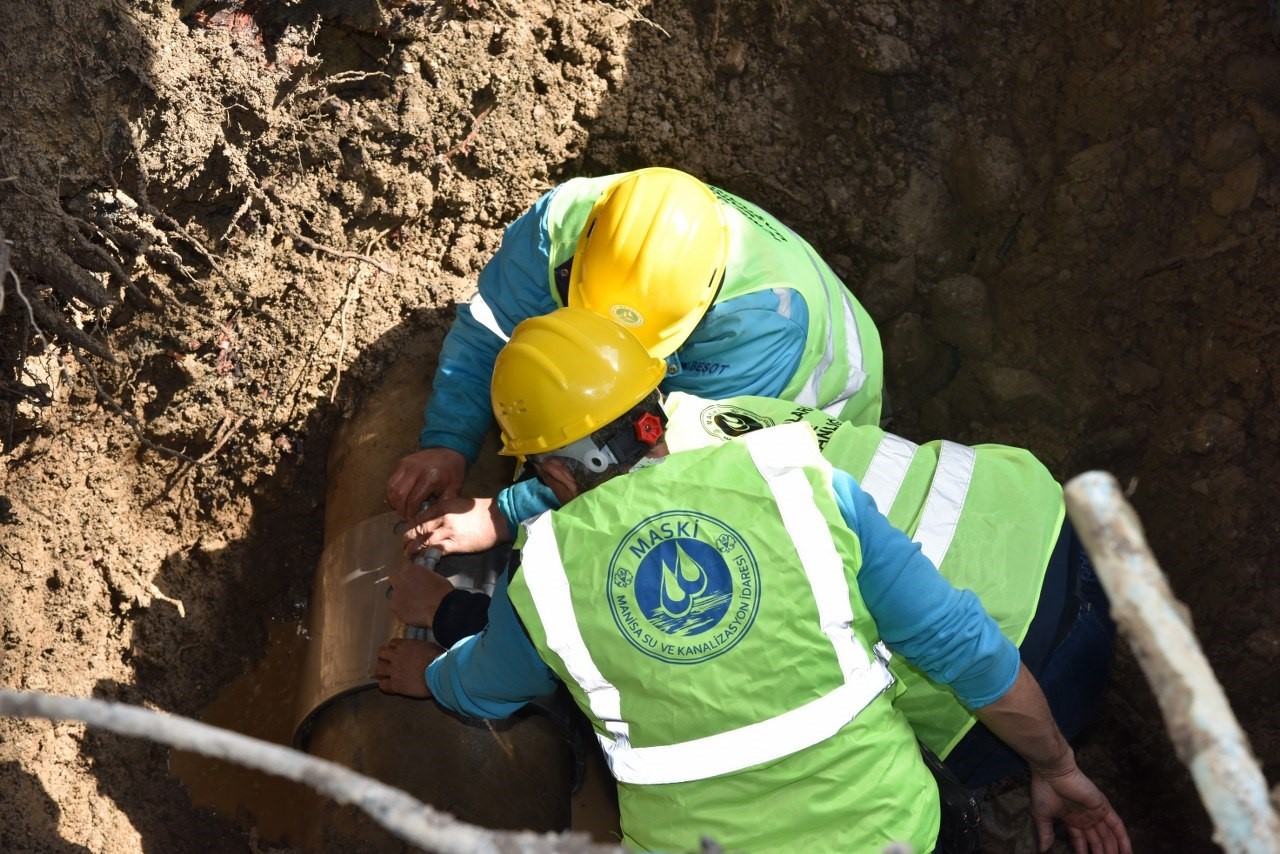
(442, 533)
(407, 488)
(415, 535)
(394, 489)
(1114, 835)
(424, 490)
(403, 484)
(459, 526)
(431, 474)
(1089, 840)
(414, 544)
(434, 510)
(410, 534)
(1105, 834)
(1106, 837)
(1121, 833)
(431, 490)
(1044, 833)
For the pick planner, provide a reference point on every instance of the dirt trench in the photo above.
(226, 217)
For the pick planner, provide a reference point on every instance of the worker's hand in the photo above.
(416, 593)
(430, 474)
(1069, 795)
(402, 666)
(458, 526)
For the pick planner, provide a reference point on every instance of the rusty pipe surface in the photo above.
(514, 774)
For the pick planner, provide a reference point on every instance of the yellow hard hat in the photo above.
(651, 256)
(564, 375)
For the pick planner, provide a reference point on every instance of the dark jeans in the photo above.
(1073, 673)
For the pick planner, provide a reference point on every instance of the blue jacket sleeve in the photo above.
(515, 285)
(943, 631)
(494, 673)
(750, 344)
(524, 500)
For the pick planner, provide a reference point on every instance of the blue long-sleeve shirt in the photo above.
(750, 344)
(942, 630)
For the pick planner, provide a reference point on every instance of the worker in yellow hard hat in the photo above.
(730, 298)
(721, 617)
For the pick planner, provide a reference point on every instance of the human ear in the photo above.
(561, 481)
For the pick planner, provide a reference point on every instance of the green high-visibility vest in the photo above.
(705, 615)
(842, 367)
(987, 516)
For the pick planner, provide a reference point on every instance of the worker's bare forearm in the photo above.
(1021, 718)
(1059, 789)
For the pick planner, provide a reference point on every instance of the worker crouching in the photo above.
(722, 616)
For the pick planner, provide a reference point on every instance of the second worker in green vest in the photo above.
(991, 518)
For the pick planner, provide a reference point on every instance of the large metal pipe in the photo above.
(505, 775)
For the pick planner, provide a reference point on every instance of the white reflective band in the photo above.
(809, 394)
(549, 586)
(947, 491)
(784, 301)
(483, 315)
(727, 752)
(853, 344)
(834, 408)
(777, 457)
(888, 470)
(946, 499)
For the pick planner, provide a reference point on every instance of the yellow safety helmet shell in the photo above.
(651, 256)
(564, 375)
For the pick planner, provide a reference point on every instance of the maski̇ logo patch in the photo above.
(683, 587)
(727, 421)
(626, 315)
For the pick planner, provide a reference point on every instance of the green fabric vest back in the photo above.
(1004, 530)
(697, 610)
(764, 254)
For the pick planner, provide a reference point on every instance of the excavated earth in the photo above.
(224, 220)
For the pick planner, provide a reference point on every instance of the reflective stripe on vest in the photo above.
(947, 491)
(888, 470)
(482, 314)
(946, 499)
(810, 393)
(865, 677)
